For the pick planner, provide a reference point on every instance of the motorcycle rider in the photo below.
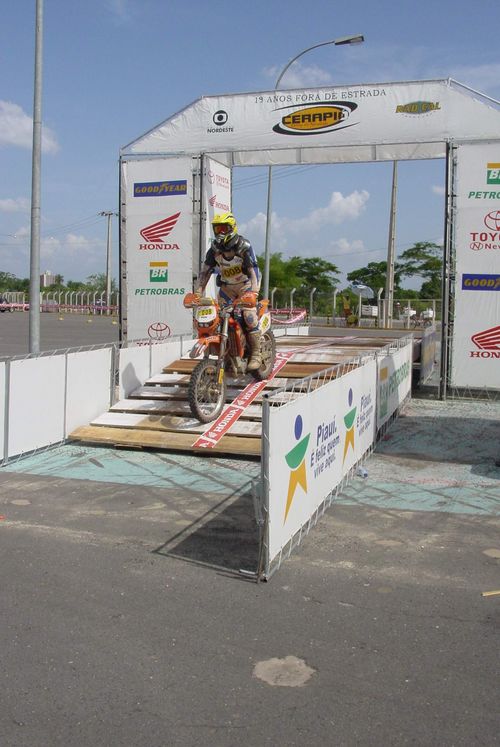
(233, 260)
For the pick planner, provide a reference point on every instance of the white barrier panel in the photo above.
(393, 382)
(2, 409)
(313, 443)
(88, 386)
(134, 368)
(36, 403)
(163, 354)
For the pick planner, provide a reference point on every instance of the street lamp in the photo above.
(357, 39)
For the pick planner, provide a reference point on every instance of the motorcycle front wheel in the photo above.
(206, 396)
(268, 354)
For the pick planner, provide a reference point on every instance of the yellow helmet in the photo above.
(225, 228)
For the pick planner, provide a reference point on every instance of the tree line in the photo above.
(93, 284)
(422, 260)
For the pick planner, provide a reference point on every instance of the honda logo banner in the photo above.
(156, 247)
(475, 359)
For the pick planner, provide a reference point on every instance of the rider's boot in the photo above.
(255, 361)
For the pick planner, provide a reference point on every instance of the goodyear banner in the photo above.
(385, 121)
(313, 442)
(475, 361)
(156, 247)
(393, 382)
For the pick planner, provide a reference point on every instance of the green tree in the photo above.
(424, 259)
(374, 276)
(97, 283)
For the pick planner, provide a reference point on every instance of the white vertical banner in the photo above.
(393, 381)
(156, 247)
(313, 442)
(475, 361)
(216, 198)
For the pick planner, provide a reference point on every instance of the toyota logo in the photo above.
(492, 220)
(158, 331)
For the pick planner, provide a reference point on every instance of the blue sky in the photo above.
(115, 68)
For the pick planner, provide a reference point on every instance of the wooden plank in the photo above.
(176, 424)
(157, 407)
(168, 441)
(163, 378)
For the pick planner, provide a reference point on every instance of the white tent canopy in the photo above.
(356, 123)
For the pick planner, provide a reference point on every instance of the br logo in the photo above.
(295, 459)
(349, 419)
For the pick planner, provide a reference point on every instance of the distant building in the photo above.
(47, 279)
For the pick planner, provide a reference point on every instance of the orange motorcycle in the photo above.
(223, 344)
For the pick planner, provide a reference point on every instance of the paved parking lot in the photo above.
(125, 621)
(57, 331)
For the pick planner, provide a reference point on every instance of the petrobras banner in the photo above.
(393, 382)
(313, 442)
(156, 247)
(475, 361)
(252, 124)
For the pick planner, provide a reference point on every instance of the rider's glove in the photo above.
(249, 299)
(191, 299)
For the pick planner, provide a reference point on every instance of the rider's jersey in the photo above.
(234, 271)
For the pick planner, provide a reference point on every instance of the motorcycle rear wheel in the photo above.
(205, 395)
(268, 354)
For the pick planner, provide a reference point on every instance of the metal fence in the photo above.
(68, 302)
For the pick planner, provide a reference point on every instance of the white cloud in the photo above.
(284, 231)
(16, 128)
(338, 210)
(343, 246)
(300, 76)
(18, 205)
(438, 190)
(121, 9)
(483, 78)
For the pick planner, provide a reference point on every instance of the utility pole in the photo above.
(36, 168)
(108, 214)
(389, 282)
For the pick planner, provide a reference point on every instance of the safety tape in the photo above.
(216, 430)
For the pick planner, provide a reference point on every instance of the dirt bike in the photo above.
(223, 344)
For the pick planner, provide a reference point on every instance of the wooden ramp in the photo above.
(157, 414)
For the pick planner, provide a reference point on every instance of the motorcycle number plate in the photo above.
(205, 314)
(265, 322)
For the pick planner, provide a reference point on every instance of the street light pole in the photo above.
(36, 167)
(389, 279)
(108, 215)
(357, 39)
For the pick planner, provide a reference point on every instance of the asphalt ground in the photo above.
(57, 331)
(125, 620)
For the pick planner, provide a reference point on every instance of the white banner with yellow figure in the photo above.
(313, 442)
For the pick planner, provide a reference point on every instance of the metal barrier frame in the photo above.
(302, 387)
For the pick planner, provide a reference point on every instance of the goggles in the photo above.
(222, 229)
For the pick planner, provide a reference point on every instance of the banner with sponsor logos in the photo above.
(156, 247)
(394, 373)
(216, 198)
(385, 121)
(313, 442)
(475, 361)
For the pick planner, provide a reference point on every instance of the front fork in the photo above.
(221, 363)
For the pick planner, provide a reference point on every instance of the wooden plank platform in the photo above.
(157, 415)
(140, 438)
